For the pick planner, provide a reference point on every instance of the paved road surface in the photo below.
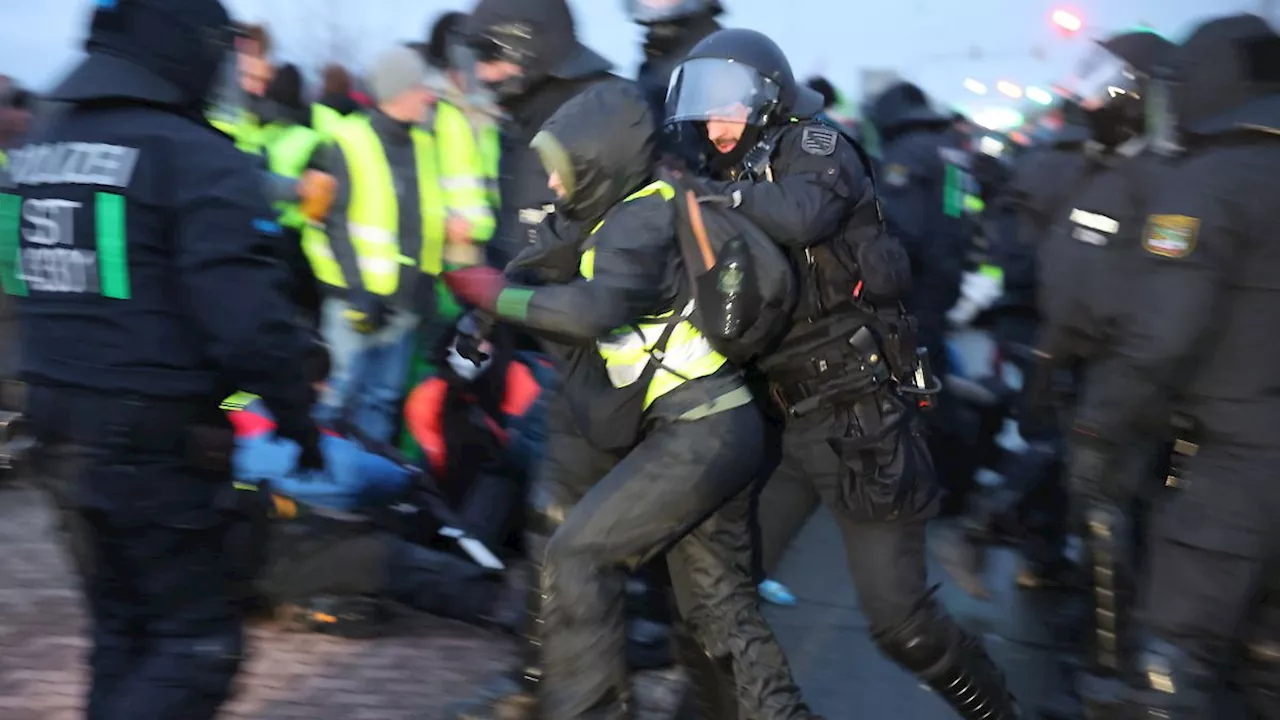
(415, 675)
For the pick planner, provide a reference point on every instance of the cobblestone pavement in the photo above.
(414, 675)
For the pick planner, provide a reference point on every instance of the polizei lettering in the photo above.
(73, 163)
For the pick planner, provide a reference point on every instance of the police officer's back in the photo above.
(146, 295)
(1200, 334)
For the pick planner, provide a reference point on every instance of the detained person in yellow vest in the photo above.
(380, 247)
(289, 146)
(645, 385)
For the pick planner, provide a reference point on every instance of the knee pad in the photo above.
(923, 643)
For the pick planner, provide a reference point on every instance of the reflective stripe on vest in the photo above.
(373, 215)
(462, 171)
(289, 149)
(629, 350)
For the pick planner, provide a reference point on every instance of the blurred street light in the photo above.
(975, 87)
(1037, 95)
(1009, 89)
(1068, 21)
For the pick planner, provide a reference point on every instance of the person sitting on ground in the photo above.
(331, 564)
(479, 422)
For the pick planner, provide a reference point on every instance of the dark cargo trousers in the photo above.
(158, 553)
(685, 490)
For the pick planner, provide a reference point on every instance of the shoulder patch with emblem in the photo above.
(817, 140)
(1171, 236)
(896, 175)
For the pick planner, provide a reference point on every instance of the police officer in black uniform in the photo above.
(809, 188)
(146, 294)
(925, 176)
(529, 55)
(1198, 335)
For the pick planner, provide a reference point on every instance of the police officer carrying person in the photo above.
(810, 189)
(1197, 336)
(676, 415)
(146, 291)
(527, 53)
(925, 177)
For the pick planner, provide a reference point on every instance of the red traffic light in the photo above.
(1067, 20)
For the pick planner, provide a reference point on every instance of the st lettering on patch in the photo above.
(1171, 236)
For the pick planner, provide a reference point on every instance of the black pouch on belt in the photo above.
(888, 472)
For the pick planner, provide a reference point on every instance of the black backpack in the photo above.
(743, 285)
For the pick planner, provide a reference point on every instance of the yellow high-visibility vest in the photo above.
(373, 215)
(289, 149)
(462, 170)
(628, 351)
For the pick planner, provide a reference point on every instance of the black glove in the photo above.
(366, 312)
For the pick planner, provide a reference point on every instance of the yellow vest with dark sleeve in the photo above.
(373, 215)
(289, 148)
(629, 350)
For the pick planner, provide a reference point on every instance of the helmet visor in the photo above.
(647, 12)
(1103, 77)
(717, 89)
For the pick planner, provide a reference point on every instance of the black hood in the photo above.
(901, 107)
(1227, 70)
(548, 33)
(608, 133)
(153, 50)
(669, 42)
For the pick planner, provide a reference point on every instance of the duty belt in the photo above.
(836, 373)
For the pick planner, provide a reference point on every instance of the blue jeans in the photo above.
(369, 371)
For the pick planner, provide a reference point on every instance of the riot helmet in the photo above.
(1122, 83)
(738, 75)
(653, 12)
